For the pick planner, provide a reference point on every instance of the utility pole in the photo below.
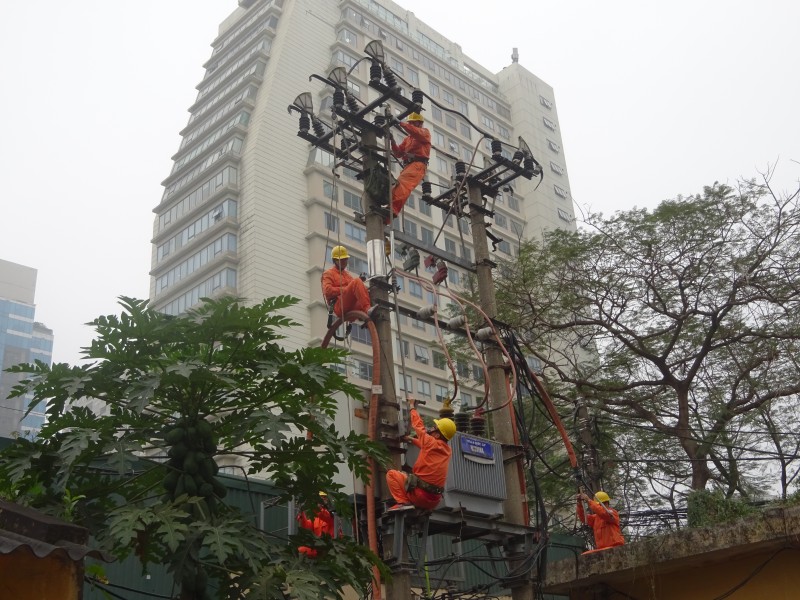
(399, 588)
(502, 418)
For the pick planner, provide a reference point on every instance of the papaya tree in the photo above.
(135, 437)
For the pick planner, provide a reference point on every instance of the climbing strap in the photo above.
(415, 482)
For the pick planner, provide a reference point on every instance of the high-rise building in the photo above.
(22, 340)
(253, 210)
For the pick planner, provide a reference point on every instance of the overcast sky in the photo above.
(655, 99)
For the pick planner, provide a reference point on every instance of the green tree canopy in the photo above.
(677, 325)
(133, 441)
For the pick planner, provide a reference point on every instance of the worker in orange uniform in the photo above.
(341, 288)
(424, 486)
(414, 152)
(604, 521)
(321, 524)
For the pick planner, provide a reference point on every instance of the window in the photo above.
(447, 215)
(433, 89)
(421, 354)
(517, 227)
(362, 369)
(504, 247)
(352, 200)
(466, 253)
(331, 222)
(397, 66)
(416, 324)
(427, 235)
(561, 191)
(553, 146)
(354, 89)
(477, 373)
(534, 363)
(488, 122)
(438, 139)
(348, 37)
(410, 228)
(415, 289)
(466, 400)
(425, 208)
(424, 388)
(345, 59)
(450, 99)
(401, 282)
(413, 77)
(406, 384)
(463, 226)
(453, 146)
(450, 245)
(462, 106)
(402, 347)
(462, 368)
(564, 215)
(549, 124)
(513, 203)
(453, 276)
(465, 130)
(356, 233)
(361, 334)
(545, 102)
(441, 393)
(411, 202)
(441, 165)
(437, 113)
(556, 168)
(504, 132)
(450, 121)
(329, 190)
(501, 220)
(439, 361)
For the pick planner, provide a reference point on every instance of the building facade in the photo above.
(22, 340)
(250, 209)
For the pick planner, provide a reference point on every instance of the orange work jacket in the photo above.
(434, 454)
(417, 143)
(334, 282)
(604, 523)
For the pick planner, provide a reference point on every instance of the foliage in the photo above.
(707, 508)
(133, 441)
(678, 328)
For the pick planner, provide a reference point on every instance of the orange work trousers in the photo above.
(354, 297)
(407, 181)
(396, 480)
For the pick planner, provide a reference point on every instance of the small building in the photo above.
(41, 557)
(751, 559)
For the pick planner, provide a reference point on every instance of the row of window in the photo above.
(224, 243)
(249, 92)
(268, 23)
(226, 278)
(215, 215)
(263, 45)
(256, 69)
(385, 15)
(232, 146)
(228, 175)
(242, 118)
(233, 34)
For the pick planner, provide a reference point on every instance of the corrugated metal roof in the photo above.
(11, 542)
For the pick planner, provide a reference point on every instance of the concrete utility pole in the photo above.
(399, 588)
(502, 419)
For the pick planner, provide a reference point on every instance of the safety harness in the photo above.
(412, 481)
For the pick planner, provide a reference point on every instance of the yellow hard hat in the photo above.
(601, 496)
(446, 427)
(415, 117)
(323, 494)
(339, 252)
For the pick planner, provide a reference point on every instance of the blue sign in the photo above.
(476, 447)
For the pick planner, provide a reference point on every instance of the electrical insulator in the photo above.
(497, 148)
(441, 273)
(375, 72)
(338, 98)
(484, 334)
(462, 421)
(380, 120)
(457, 322)
(426, 312)
(461, 167)
(412, 261)
(351, 103)
(305, 123)
(518, 155)
(319, 130)
(430, 261)
(477, 424)
(388, 75)
(417, 96)
(528, 163)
